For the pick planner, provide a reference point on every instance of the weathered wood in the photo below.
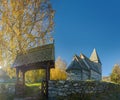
(36, 66)
(81, 75)
(48, 73)
(20, 86)
(42, 58)
(23, 78)
(17, 74)
(35, 55)
(47, 78)
(19, 89)
(89, 74)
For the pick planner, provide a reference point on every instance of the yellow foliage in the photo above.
(59, 72)
(10, 72)
(34, 75)
(22, 25)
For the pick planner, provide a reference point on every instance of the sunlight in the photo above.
(0, 67)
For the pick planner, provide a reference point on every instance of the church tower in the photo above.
(95, 58)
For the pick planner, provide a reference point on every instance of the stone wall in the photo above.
(66, 88)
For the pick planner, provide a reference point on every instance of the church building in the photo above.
(84, 68)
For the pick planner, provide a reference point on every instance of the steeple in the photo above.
(94, 56)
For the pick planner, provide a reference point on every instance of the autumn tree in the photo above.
(24, 24)
(115, 75)
(10, 72)
(59, 72)
(32, 76)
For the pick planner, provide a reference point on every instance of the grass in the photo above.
(33, 84)
(32, 89)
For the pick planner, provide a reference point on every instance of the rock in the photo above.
(61, 82)
(66, 86)
(61, 94)
(76, 84)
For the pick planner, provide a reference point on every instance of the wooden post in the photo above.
(17, 74)
(17, 81)
(23, 78)
(47, 78)
(48, 73)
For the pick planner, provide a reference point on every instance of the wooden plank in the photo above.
(17, 74)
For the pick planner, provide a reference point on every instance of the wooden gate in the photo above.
(41, 57)
(44, 88)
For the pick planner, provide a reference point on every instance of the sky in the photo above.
(82, 25)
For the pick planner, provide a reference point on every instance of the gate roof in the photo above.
(35, 56)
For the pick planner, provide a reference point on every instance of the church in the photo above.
(84, 68)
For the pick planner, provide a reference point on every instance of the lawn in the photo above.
(33, 84)
(32, 89)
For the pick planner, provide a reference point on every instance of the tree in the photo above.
(115, 75)
(32, 76)
(59, 72)
(10, 72)
(24, 24)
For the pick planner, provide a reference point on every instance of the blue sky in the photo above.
(82, 25)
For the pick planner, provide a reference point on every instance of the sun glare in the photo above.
(0, 67)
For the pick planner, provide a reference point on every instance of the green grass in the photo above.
(33, 84)
(32, 89)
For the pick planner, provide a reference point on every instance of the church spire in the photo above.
(94, 56)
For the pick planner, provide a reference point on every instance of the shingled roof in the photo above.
(90, 64)
(35, 55)
(74, 65)
(77, 64)
(82, 62)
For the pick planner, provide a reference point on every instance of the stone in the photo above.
(76, 84)
(61, 82)
(66, 88)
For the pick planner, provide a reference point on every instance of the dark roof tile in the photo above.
(35, 55)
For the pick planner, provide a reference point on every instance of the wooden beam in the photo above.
(47, 78)
(17, 74)
(48, 73)
(23, 78)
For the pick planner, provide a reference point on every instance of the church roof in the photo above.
(83, 62)
(35, 56)
(90, 64)
(77, 64)
(94, 56)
